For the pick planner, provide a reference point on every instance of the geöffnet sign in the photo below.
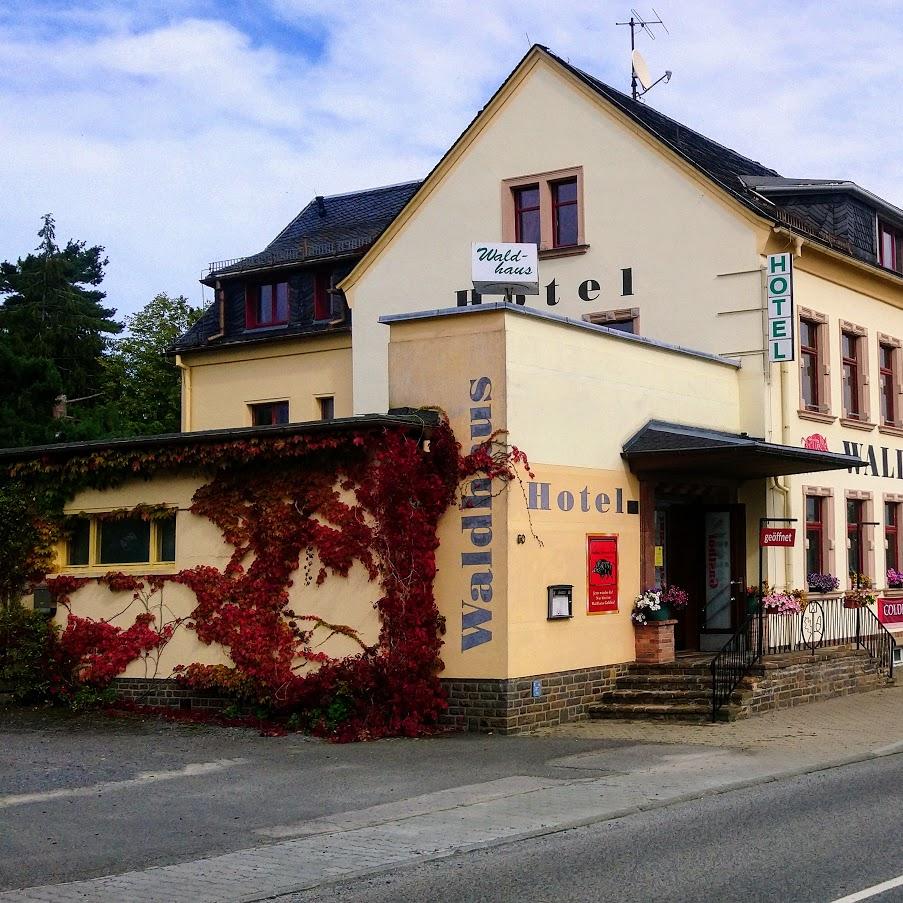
(777, 536)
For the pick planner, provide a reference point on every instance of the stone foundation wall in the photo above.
(780, 684)
(509, 706)
(165, 692)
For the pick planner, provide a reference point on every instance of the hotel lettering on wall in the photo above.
(877, 460)
(779, 300)
(588, 291)
(476, 524)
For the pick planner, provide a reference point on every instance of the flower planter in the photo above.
(663, 614)
(655, 642)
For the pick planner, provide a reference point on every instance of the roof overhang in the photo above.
(418, 421)
(685, 451)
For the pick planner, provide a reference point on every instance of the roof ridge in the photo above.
(348, 194)
(627, 100)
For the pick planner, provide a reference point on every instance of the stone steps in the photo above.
(679, 691)
(641, 696)
(653, 711)
(664, 682)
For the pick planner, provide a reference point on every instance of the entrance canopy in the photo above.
(671, 448)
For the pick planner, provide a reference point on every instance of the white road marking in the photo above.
(192, 770)
(872, 891)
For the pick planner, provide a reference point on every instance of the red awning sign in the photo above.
(777, 536)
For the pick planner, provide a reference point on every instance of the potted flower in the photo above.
(753, 597)
(648, 606)
(675, 598)
(894, 579)
(859, 598)
(822, 583)
(782, 603)
(860, 581)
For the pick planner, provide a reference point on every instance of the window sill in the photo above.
(569, 251)
(93, 571)
(817, 416)
(890, 429)
(863, 425)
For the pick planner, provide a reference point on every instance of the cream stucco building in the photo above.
(638, 381)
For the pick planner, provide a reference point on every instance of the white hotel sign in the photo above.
(779, 293)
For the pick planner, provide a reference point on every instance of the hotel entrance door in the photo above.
(703, 550)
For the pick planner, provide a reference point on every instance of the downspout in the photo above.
(186, 393)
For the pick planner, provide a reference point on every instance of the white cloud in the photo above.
(175, 139)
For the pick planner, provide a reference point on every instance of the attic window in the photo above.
(545, 209)
(890, 247)
(266, 305)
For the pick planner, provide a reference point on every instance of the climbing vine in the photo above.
(373, 499)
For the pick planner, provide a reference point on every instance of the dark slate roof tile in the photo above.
(335, 224)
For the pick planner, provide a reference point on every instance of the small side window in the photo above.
(79, 545)
(166, 538)
(125, 541)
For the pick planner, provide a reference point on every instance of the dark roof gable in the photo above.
(328, 226)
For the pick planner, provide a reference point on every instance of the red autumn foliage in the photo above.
(273, 502)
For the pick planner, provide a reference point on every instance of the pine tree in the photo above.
(53, 309)
(54, 331)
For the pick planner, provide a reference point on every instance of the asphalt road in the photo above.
(89, 796)
(815, 838)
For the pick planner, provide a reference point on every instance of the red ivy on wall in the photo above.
(374, 499)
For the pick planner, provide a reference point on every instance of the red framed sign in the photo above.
(890, 611)
(601, 573)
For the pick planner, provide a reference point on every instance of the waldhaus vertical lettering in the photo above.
(476, 522)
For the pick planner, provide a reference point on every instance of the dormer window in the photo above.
(890, 247)
(266, 305)
(322, 296)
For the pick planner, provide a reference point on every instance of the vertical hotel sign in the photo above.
(779, 292)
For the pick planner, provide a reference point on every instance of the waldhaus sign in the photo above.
(779, 294)
(505, 268)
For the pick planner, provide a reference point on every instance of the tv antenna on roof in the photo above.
(639, 71)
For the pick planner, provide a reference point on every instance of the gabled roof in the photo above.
(732, 172)
(719, 163)
(330, 226)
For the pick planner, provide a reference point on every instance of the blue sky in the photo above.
(179, 133)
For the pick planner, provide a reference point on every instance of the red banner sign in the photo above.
(890, 611)
(601, 574)
(777, 536)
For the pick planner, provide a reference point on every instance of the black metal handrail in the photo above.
(736, 658)
(826, 622)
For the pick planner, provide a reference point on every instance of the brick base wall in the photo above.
(509, 707)
(165, 692)
(655, 642)
(779, 685)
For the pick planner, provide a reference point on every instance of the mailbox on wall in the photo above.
(561, 602)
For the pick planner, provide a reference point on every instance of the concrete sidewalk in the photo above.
(664, 764)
